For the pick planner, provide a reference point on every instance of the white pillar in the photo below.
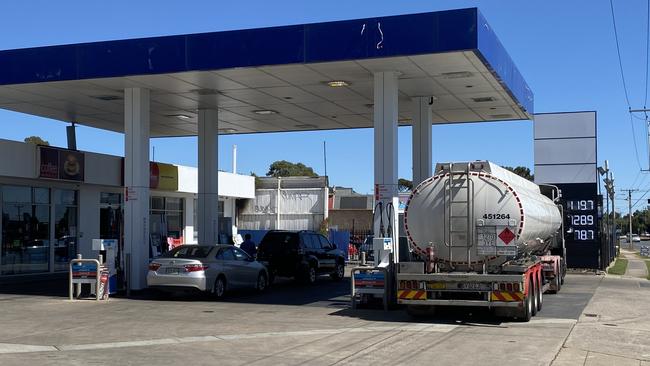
(208, 197)
(421, 139)
(136, 182)
(385, 124)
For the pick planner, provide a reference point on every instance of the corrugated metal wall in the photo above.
(300, 209)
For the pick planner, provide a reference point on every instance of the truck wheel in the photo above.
(540, 292)
(524, 314)
(420, 311)
(534, 291)
(557, 282)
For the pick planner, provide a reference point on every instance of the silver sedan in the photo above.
(214, 269)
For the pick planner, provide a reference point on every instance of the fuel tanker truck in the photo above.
(480, 235)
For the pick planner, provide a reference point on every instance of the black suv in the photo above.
(300, 254)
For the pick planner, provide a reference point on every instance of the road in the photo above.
(290, 325)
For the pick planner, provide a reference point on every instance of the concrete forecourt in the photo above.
(594, 320)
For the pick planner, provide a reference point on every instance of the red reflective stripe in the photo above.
(498, 295)
(419, 295)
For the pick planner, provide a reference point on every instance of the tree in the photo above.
(404, 185)
(521, 171)
(283, 168)
(36, 141)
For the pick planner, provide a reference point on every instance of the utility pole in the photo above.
(629, 205)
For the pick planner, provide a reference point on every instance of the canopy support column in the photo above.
(421, 139)
(136, 183)
(208, 195)
(385, 125)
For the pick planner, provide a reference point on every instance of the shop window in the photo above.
(25, 230)
(65, 227)
(195, 220)
(173, 204)
(166, 226)
(16, 194)
(107, 198)
(157, 203)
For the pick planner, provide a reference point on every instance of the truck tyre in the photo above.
(557, 281)
(535, 296)
(540, 292)
(524, 314)
(420, 311)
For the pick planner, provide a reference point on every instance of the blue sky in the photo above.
(565, 50)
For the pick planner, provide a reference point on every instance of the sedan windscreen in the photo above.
(189, 251)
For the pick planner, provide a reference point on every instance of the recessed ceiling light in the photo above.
(457, 75)
(338, 83)
(265, 112)
(181, 116)
(227, 130)
(502, 116)
(483, 99)
(108, 97)
(305, 126)
(205, 91)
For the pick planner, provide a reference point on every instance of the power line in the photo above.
(635, 178)
(636, 149)
(647, 53)
(618, 51)
(627, 98)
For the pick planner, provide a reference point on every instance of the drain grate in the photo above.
(591, 315)
(610, 325)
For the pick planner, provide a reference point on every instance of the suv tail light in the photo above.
(153, 266)
(195, 267)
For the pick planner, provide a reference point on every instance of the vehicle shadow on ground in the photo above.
(46, 287)
(443, 315)
(325, 293)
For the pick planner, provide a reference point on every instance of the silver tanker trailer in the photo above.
(480, 235)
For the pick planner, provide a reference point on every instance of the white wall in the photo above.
(103, 169)
(18, 159)
(300, 209)
(88, 219)
(230, 185)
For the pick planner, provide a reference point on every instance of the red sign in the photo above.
(507, 236)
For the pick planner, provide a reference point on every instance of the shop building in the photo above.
(56, 201)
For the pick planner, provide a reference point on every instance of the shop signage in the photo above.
(60, 164)
(163, 176)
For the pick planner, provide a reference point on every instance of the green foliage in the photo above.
(257, 180)
(324, 227)
(521, 171)
(36, 141)
(283, 168)
(619, 267)
(404, 185)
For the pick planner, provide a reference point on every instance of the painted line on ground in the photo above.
(26, 348)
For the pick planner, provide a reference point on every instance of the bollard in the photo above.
(363, 258)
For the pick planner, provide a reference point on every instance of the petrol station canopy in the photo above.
(288, 78)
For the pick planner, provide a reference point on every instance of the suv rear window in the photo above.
(278, 240)
(188, 251)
